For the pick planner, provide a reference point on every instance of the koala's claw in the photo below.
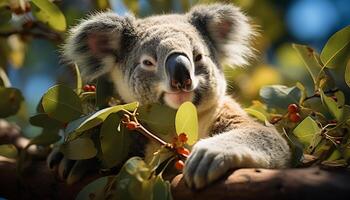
(204, 166)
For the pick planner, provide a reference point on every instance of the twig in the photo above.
(318, 95)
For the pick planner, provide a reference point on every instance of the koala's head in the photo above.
(165, 59)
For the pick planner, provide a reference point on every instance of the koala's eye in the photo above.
(147, 63)
(198, 58)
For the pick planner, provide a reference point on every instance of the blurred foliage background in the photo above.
(33, 64)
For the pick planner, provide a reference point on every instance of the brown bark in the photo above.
(308, 183)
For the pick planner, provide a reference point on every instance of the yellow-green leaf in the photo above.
(335, 46)
(94, 119)
(347, 73)
(115, 144)
(49, 13)
(310, 59)
(186, 121)
(307, 131)
(332, 106)
(8, 151)
(79, 81)
(62, 103)
(79, 149)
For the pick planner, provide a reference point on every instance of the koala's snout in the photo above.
(178, 68)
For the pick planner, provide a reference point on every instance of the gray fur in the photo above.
(108, 43)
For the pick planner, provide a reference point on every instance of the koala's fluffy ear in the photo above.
(99, 42)
(227, 28)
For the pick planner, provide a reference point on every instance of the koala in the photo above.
(174, 58)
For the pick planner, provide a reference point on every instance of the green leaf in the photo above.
(43, 120)
(48, 136)
(8, 151)
(332, 106)
(92, 188)
(258, 110)
(347, 73)
(5, 15)
(114, 144)
(260, 116)
(79, 81)
(279, 95)
(4, 80)
(186, 121)
(10, 101)
(49, 13)
(302, 91)
(161, 189)
(79, 149)
(335, 46)
(158, 118)
(307, 131)
(310, 59)
(62, 103)
(87, 122)
(334, 156)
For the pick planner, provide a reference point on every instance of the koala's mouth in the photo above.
(174, 100)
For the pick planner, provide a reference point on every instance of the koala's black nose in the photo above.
(178, 68)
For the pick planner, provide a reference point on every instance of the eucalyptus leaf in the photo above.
(8, 151)
(259, 115)
(307, 131)
(79, 149)
(115, 144)
(310, 59)
(347, 73)
(43, 120)
(158, 118)
(332, 106)
(186, 121)
(334, 48)
(48, 136)
(94, 119)
(62, 103)
(4, 80)
(92, 188)
(47, 12)
(79, 81)
(161, 189)
(279, 96)
(10, 101)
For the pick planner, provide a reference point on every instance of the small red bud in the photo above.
(179, 165)
(131, 125)
(183, 151)
(294, 117)
(87, 88)
(293, 108)
(183, 137)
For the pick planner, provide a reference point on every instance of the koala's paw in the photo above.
(207, 163)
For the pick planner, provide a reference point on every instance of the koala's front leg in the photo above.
(255, 146)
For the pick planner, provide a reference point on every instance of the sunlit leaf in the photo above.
(43, 120)
(4, 80)
(115, 144)
(279, 95)
(332, 106)
(8, 151)
(62, 103)
(47, 137)
(91, 188)
(10, 101)
(335, 46)
(87, 122)
(158, 118)
(79, 81)
(310, 59)
(49, 13)
(302, 91)
(186, 121)
(347, 73)
(259, 115)
(79, 149)
(307, 131)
